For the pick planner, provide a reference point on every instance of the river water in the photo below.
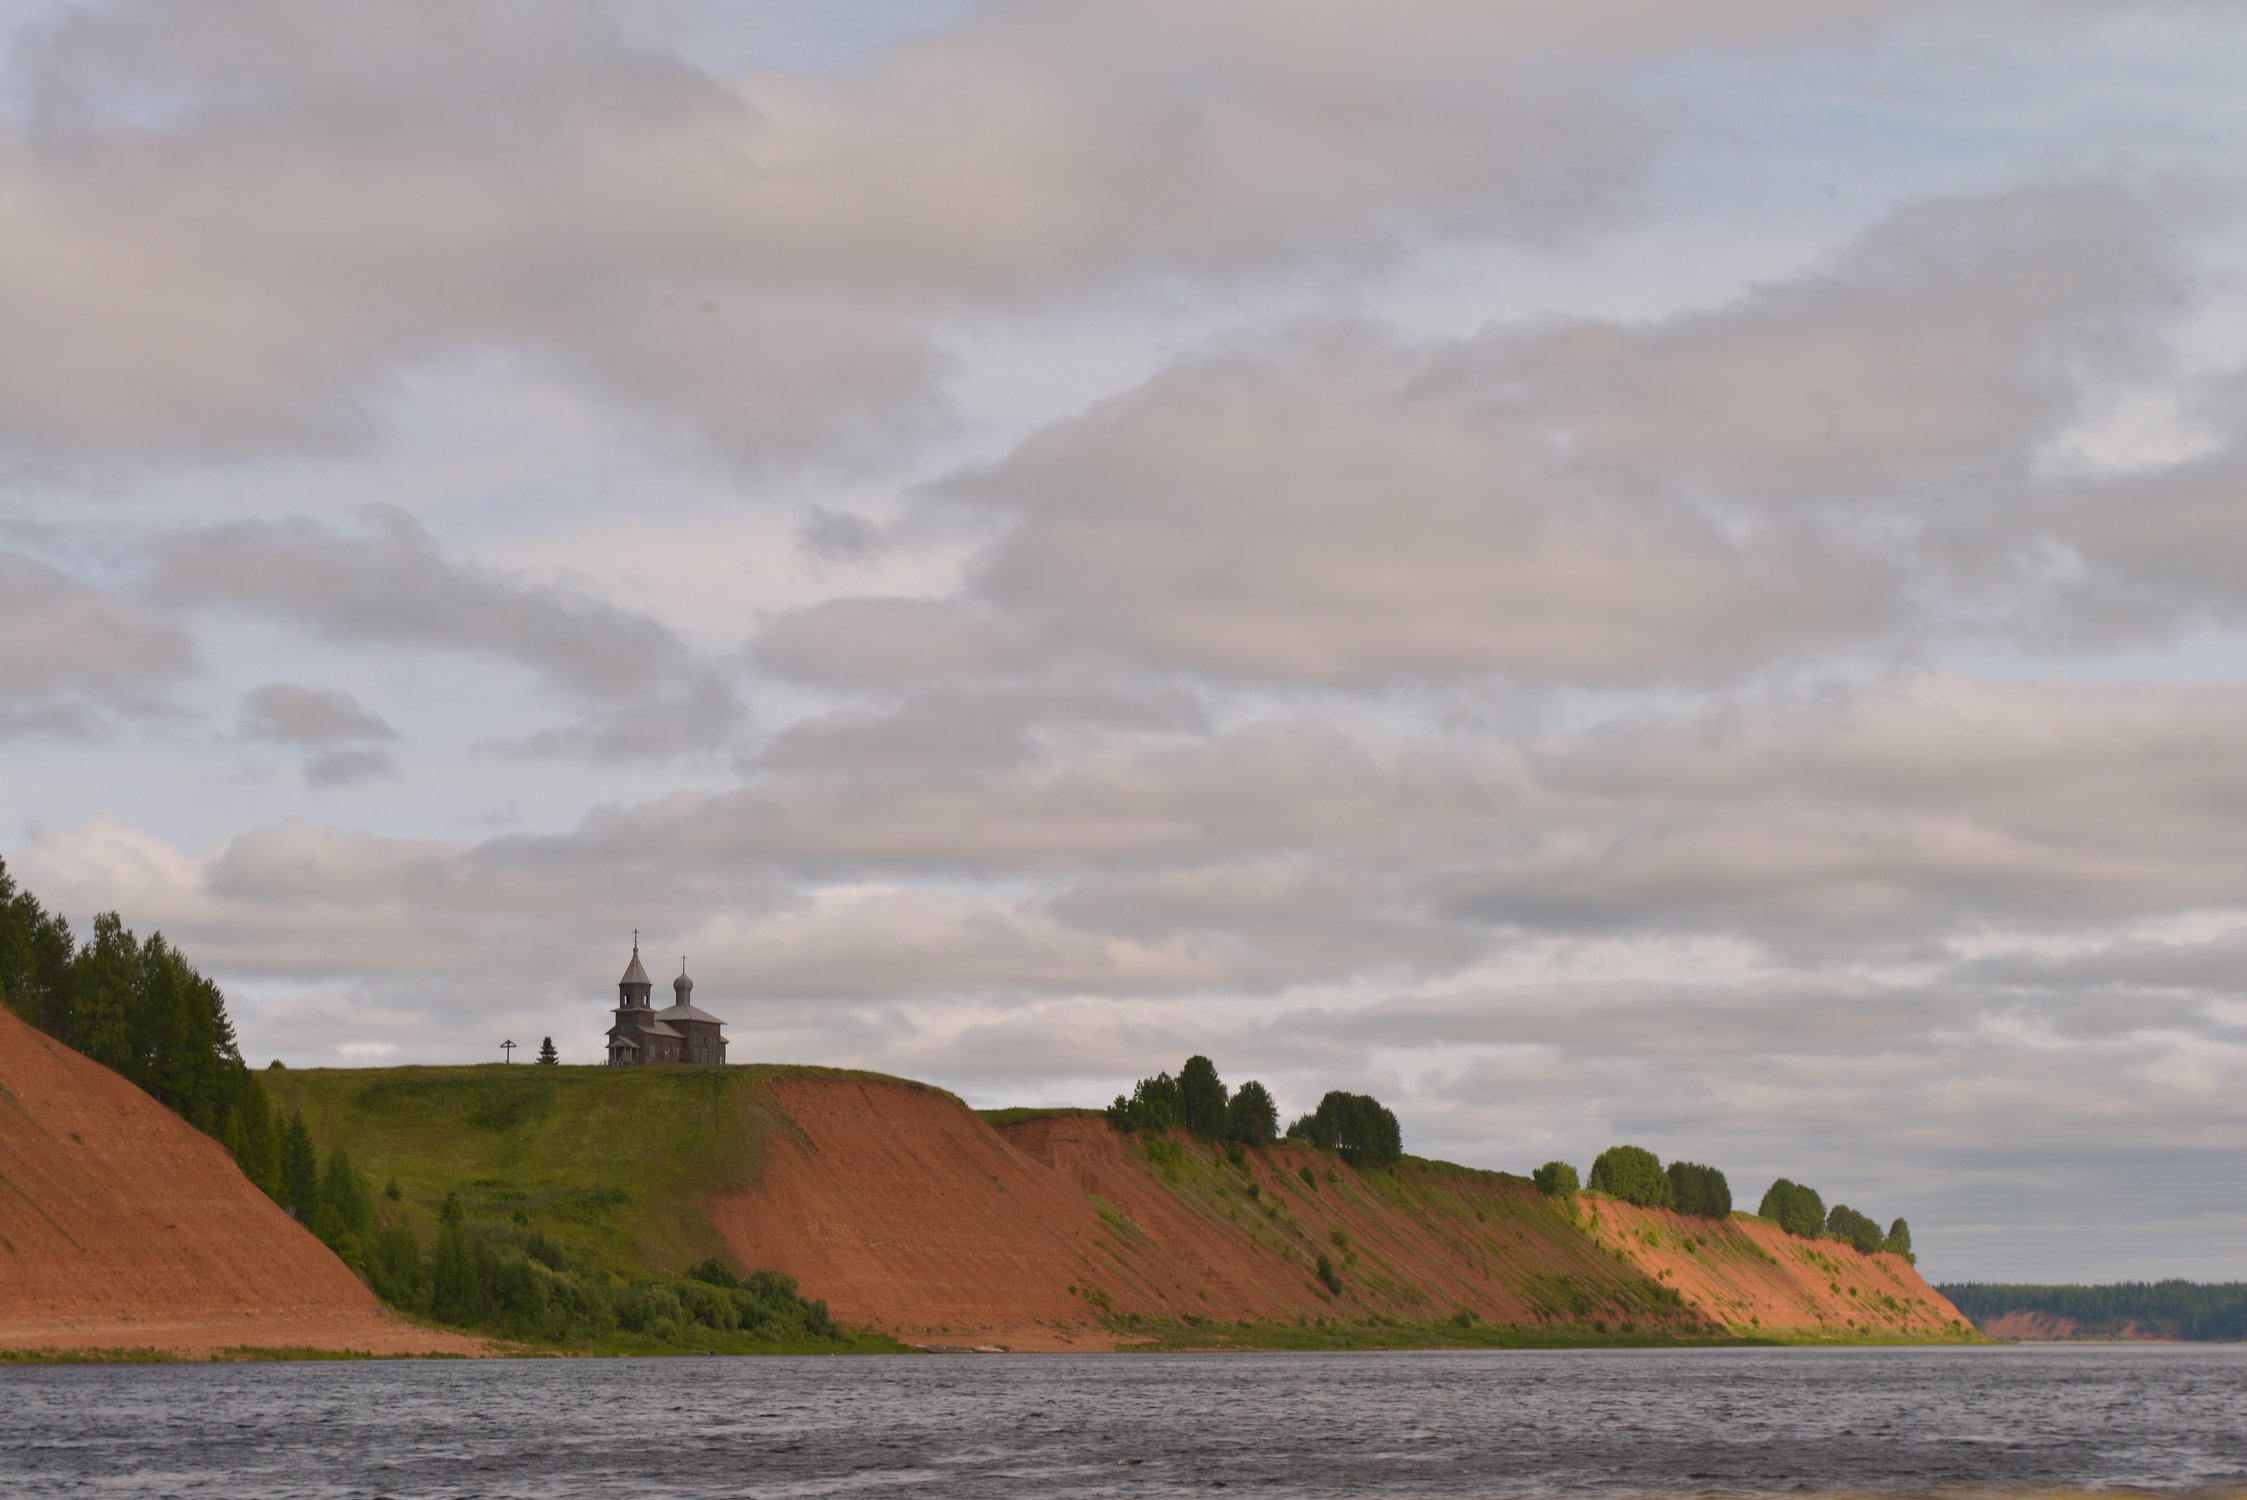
(1592, 1422)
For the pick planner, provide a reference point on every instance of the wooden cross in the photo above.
(508, 1048)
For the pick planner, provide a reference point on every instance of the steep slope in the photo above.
(123, 1227)
(910, 1214)
(1754, 1278)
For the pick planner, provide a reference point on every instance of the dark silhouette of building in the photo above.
(677, 1034)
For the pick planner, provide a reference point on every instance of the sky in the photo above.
(1654, 571)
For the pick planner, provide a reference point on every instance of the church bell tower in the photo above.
(633, 989)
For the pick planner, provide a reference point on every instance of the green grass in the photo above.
(239, 1354)
(615, 1165)
(1018, 1114)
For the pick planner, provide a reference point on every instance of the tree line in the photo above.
(139, 1008)
(2163, 1309)
(513, 1280)
(1636, 1175)
(1356, 1127)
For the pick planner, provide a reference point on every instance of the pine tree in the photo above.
(1899, 1240)
(547, 1055)
(1252, 1118)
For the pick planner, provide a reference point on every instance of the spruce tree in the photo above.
(345, 1212)
(547, 1055)
(104, 976)
(300, 1171)
(1899, 1240)
(257, 1143)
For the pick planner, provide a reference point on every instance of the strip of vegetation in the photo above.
(1356, 1127)
(140, 1009)
(2193, 1311)
(1636, 1175)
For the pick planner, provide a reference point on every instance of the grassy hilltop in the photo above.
(607, 1171)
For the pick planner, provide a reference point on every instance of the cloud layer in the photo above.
(1408, 548)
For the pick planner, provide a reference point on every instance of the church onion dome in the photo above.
(682, 987)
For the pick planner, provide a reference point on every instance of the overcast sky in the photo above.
(1651, 570)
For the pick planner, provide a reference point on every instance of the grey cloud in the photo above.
(644, 691)
(2159, 550)
(888, 643)
(70, 655)
(1871, 823)
(840, 536)
(2129, 969)
(1925, 364)
(293, 715)
(1844, 458)
(1325, 513)
(973, 731)
(347, 767)
(302, 208)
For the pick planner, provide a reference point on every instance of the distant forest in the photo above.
(2166, 1309)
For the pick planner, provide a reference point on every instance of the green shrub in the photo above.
(1556, 1179)
(1632, 1174)
(1327, 1276)
(715, 1272)
(1795, 1208)
(1699, 1190)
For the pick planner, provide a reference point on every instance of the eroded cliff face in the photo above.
(911, 1214)
(122, 1227)
(1754, 1278)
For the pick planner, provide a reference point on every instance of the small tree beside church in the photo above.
(547, 1055)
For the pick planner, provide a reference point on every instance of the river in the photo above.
(1501, 1423)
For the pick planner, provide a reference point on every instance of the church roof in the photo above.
(685, 1012)
(642, 1028)
(635, 974)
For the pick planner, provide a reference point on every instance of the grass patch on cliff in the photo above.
(1020, 1114)
(581, 1194)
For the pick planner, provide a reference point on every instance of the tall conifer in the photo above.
(300, 1171)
